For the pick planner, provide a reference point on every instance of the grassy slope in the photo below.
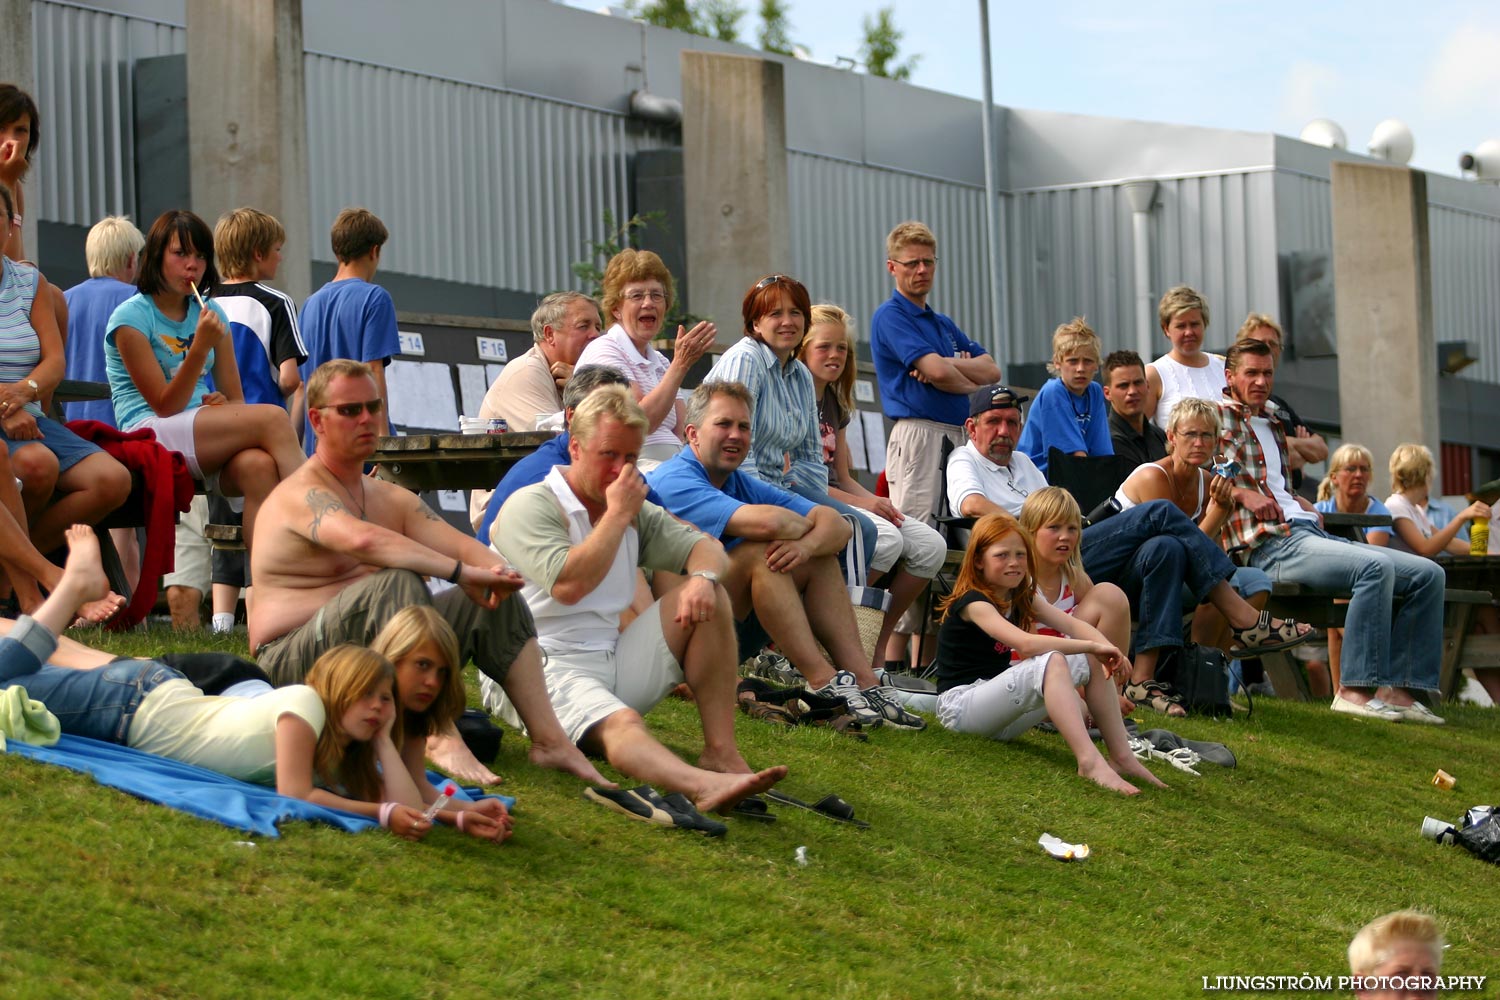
(1265, 869)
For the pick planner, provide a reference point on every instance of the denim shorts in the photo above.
(98, 703)
(69, 448)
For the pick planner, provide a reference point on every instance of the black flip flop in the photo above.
(754, 808)
(829, 806)
(630, 802)
(687, 816)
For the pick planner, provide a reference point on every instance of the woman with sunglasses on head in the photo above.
(637, 299)
(786, 441)
(159, 350)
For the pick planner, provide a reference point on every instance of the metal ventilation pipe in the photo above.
(655, 108)
(1142, 195)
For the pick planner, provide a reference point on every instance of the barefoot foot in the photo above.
(568, 759)
(100, 611)
(1130, 767)
(725, 791)
(83, 578)
(450, 753)
(1101, 773)
(729, 762)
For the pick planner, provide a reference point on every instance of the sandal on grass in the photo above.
(1159, 696)
(1269, 634)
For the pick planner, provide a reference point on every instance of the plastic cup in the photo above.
(1437, 830)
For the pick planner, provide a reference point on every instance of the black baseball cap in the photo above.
(994, 397)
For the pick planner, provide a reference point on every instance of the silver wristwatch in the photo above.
(707, 574)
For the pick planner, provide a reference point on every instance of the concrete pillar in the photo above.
(247, 121)
(1388, 383)
(16, 66)
(735, 185)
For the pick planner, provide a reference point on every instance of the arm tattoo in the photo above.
(321, 503)
(427, 511)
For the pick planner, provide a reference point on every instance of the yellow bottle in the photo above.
(1479, 536)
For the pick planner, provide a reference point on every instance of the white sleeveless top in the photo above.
(1126, 503)
(1178, 381)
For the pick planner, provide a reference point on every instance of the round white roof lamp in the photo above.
(1392, 141)
(1324, 132)
(1484, 162)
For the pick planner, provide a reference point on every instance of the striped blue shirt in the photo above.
(785, 421)
(20, 351)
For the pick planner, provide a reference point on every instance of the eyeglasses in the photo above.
(771, 279)
(374, 406)
(637, 297)
(916, 262)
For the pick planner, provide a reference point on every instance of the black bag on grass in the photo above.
(1480, 833)
(481, 735)
(1201, 675)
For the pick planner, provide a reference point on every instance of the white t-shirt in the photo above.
(234, 736)
(969, 472)
(1401, 507)
(616, 350)
(1275, 478)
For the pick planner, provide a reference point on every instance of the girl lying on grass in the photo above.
(992, 612)
(329, 733)
(1052, 518)
(430, 693)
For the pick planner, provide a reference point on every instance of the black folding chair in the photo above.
(1092, 479)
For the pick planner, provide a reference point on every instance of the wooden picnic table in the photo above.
(423, 462)
(1350, 526)
(1478, 577)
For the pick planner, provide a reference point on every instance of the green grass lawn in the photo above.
(1266, 869)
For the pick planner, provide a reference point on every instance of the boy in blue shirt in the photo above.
(1070, 413)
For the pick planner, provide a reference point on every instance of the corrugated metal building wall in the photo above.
(522, 184)
(1072, 253)
(83, 62)
(839, 211)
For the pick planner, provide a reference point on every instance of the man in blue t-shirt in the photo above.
(784, 578)
(349, 317)
(926, 367)
(113, 251)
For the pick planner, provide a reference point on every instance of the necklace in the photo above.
(1178, 495)
(360, 503)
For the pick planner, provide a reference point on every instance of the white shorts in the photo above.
(587, 688)
(922, 547)
(1005, 706)
(175, 433)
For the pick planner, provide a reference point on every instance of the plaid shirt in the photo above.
(1238, 443)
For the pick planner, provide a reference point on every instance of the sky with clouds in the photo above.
(1270, 66)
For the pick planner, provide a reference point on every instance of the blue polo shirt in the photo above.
(527, 472)
(685, 491)
(900, 333)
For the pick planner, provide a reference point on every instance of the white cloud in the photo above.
(1465, 74)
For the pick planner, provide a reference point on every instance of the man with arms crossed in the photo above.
(341, 552)
(578, 538)
(783, 556)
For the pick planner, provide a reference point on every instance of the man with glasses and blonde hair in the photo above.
(926, 367)
(340, 552)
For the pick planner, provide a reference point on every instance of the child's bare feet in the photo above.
(83, 580)
(449, 752)
(1131, 767)
(100, 611)
(1101, 773)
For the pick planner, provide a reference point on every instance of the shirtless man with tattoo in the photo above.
(338, 553)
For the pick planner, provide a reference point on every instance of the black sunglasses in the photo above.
(374, 406)
(771, 280)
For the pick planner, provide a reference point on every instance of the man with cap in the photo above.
(988, 475)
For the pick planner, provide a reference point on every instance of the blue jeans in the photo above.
(1401, 650)
(1151, 551)
(867, 526)
(98, 703)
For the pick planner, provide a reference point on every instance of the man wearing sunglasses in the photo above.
(339, 553)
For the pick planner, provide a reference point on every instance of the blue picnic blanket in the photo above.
(196, 790)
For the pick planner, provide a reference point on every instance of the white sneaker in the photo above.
(1372, 709)
(846, 687)
(1420, 713)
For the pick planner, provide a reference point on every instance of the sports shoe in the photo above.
(1372, 709)
(775, 668)
(846, 687)
(1419, 713)
(887, 702)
